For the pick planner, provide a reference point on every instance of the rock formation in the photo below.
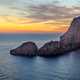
(52, 48)
(68, 41)
(26, 49)
(71, 39)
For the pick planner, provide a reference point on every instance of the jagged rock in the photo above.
(26, 49)
(71, 39)
(52, 48)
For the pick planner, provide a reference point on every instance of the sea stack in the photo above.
(71, 39)
(26, 49)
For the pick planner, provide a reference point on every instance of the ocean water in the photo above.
(66, 67)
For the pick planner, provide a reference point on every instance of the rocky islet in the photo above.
(69, 41)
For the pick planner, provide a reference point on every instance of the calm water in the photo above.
(66, 67)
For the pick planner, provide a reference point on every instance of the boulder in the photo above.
(52, 48)
(26, 49)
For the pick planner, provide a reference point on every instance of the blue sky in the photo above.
(70, 3)
(28, 2)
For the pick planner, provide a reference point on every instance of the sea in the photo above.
(65, 67)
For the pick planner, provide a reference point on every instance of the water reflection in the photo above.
(66, 67)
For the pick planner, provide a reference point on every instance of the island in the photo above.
(26, 49)
(69, 41)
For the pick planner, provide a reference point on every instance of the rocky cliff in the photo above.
(71, 39)
(68, 41)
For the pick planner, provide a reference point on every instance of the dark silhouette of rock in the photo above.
(71, 39)
(26, 49)
(52, 48)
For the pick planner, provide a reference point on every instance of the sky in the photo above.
(22, 16)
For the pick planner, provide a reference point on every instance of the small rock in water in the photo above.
(26, 49)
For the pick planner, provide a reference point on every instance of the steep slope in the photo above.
(71, 38)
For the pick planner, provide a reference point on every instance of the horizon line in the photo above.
(29, 32)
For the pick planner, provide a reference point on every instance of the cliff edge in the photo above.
(71, 39)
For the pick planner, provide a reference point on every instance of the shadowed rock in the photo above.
(71, 39)
(52, 48)
(26, 49)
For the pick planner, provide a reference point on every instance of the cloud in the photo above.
(39, 10)
(52, 12)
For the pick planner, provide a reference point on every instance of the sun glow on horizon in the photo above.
(11, 24)
(22, 16)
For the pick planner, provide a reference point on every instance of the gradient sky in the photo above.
(19, 16)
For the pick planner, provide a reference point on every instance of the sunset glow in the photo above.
(37, 15)
(18, 25)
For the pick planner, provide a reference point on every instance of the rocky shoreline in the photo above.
(69, 41)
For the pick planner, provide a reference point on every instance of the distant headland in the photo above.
(69, 41)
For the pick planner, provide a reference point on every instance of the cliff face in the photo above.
(72, 37)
